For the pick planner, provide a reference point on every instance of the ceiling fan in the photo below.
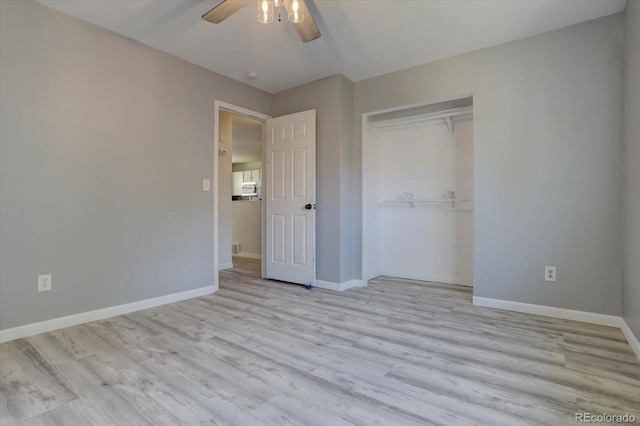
(268, 10)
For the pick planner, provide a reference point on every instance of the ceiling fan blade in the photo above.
(307, 29)
(224, 10)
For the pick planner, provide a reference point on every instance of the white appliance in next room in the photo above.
(249, 189)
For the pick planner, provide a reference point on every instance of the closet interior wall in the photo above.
(431, 241)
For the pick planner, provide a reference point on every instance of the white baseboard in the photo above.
(339, 286)
(631, 338)
(225, 266)
(249, 255)
(84, 317)
(549, 311)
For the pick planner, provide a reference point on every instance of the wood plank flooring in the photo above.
(398, 352)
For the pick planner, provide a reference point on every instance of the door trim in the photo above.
(220, 105)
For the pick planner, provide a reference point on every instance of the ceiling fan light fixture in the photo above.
(265, 11)
(295, 15)
(296, 10)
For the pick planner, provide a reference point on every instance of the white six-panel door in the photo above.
(290, 195)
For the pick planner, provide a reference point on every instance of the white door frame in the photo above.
(219, 105)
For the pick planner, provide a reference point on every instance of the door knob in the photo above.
(308, 206)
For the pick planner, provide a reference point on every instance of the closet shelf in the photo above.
(450, 117)
(453, 201)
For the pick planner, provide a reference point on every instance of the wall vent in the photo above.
(235, 248)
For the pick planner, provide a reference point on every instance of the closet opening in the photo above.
(418, 192)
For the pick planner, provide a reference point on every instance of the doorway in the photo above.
(245, 138)
(287, 219)
(245, 141)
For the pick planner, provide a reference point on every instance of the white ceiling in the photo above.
(360, 38)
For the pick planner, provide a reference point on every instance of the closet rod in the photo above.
(466, 112)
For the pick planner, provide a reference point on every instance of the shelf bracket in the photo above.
(449, 122)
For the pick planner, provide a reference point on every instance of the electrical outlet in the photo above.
(44, 282)
(206, 185)
(549, 273)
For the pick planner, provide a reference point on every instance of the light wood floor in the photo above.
(397, 352)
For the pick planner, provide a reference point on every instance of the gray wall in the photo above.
(331, 97)
(631, 194)
(547, 133)
(104, 143)
(348, 195)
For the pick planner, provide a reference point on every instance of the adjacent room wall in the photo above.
(330, 97)
(104, 143)
(547, 160)
(631, 150)
(241, 167)
(225, 189)
(247, 227)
